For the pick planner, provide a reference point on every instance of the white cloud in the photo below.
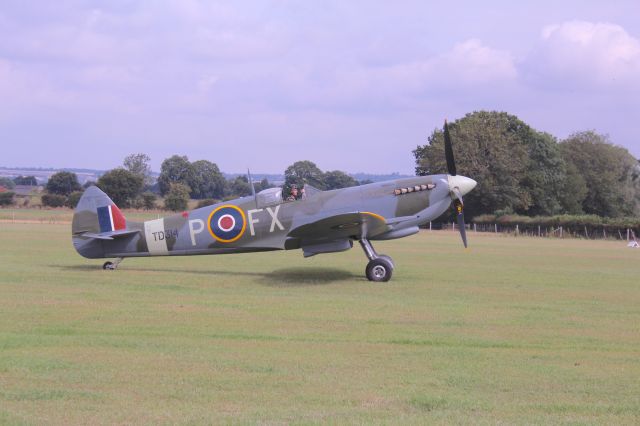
(161, 64)
(472, 63)
(22, 89)
(586, 55)
(468, 66)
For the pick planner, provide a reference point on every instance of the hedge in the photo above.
(566, 221)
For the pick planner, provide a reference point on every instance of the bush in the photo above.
(6, 198)
(72, 199)
(177, 198)
(7, 183)
(485, 218)
(568, 222)
(53, 200)
(149, 200)
(206, 202)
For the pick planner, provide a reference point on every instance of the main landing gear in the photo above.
(112, 266)
(380, 266)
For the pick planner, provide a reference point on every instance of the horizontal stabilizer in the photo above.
(109, 235)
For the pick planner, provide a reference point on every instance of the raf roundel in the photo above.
(227, 223)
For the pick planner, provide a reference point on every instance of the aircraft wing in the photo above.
(109, 235)
(341, 226)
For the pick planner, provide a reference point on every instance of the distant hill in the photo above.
(42, 174)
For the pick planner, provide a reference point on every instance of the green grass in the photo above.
(513, 330)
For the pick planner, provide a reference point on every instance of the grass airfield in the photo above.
(513, 330)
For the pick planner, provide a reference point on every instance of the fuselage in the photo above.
(257, 223)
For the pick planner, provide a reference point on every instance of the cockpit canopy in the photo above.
(269, 197)
(274, 196)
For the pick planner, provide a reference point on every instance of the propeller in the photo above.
(458, 204)
(455, 182)
(448, 151)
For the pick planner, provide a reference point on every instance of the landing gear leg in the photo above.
(112, 266)
(380, 267)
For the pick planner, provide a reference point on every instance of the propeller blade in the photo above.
(459, 206)
(461, 226)
(448, 151)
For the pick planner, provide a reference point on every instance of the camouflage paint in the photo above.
(323, 218)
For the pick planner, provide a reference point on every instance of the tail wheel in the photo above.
(379, 270)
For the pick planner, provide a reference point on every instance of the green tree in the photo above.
(573, 191)
(25, 180)
(7, 183)
(610, 174)
(53, 200)
(337, 179)
(517, 168)
(139, 164)
(175, 169)
(262, 185)
(6, 198)
(206, 180)
(149, 200)
(72, 199)
(545, 173)
(63, 183)
(238, 187)
(301, 173)
(121, 185)
(177, 198)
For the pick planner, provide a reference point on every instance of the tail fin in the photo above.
(97, 222)
(97, 213)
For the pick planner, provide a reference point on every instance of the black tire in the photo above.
(108, 266)
(389, 259)
(379, 270)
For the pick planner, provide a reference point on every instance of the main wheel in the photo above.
(388, 259)
(379, 270)
(108, 266)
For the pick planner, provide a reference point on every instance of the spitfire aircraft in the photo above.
(319, 222)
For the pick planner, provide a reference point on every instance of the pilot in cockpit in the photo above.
(294, 194)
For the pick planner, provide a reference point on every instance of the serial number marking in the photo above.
(167, 234)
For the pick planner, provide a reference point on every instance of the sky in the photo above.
(351, 85)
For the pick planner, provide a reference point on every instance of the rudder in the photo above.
(97, 213)
(95, 220)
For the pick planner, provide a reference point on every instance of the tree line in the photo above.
(523, 171)
(181, 180)
(7, 185)
(519, 170)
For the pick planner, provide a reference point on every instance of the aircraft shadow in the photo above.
(293, 277)
(286, 277)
